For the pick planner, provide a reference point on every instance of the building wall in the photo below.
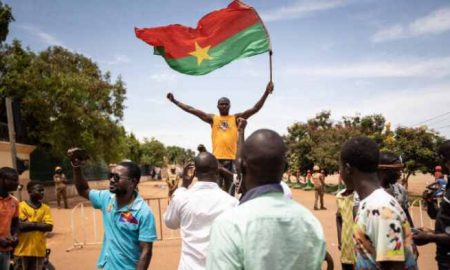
(23, 152)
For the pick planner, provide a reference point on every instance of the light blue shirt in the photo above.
(124, 228)
(269, 232)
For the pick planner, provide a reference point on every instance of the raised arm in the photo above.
(200, 114)
(242, 123)
(246, 114)
(76, 158)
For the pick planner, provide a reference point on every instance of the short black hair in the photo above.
(223, 99)
(444, 150)
(8, 172)
(361, 153)
(31, 184)
(389, 158)
(134, 172)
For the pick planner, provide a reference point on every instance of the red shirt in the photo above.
(9, 209)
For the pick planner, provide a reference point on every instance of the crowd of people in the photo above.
(260, 227)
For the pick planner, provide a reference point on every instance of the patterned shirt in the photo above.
(345, 209)
(382, 232)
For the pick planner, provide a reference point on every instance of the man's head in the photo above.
(173, 169)
(206, 167)
(201, 148)
(9, 180)
(124, 178)
(444, 154)
(35, 191)
(389, 168)
(223, 104)
(359, 155)
(58, 170)
(263, 158)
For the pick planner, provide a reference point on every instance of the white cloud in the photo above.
(435, 22)
(164, 77)
(300, 8)
(44, 37)
(118, 59)
(436, 67)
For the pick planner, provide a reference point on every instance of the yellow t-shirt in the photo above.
(33, 243)
(224, 136)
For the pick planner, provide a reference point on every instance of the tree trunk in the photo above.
(405, 179)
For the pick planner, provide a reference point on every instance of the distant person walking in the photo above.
(318, 180)
(61, 187)
(172, 180)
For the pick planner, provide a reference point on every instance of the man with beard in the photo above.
(128, 222)
(224, 133)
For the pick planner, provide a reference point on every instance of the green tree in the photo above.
(153, 152)
(178, 155)
(418, 148)
(66, 100)
(5, 18)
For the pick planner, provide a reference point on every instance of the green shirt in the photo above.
(267, 232)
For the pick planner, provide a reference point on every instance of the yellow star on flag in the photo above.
(201, 53)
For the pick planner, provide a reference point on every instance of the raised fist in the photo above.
(170, 97)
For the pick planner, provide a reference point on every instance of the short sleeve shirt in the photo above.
(33, 243)
(9, 209)
(382, 232)
(124, 229)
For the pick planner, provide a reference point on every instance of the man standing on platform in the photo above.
(224, 133)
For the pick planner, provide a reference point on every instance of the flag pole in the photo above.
(270, 63)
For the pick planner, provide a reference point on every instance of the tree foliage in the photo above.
(66, 100)
(318, 141)
(5, 18)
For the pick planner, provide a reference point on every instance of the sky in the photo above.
(347, 56)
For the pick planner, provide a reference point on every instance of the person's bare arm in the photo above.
(339, 228)
(246, 114)
(146, 255)
(80, 182)
(200, 114)
(242, 123)
(26, 226)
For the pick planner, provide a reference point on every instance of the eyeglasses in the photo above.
(116, 177)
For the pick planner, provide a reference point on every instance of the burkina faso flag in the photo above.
(220, 37)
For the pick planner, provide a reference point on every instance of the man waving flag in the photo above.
(220, 37)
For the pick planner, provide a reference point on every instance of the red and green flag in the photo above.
(220, 37)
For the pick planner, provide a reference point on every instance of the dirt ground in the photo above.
(166, 252)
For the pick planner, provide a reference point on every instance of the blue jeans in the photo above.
(4, 260)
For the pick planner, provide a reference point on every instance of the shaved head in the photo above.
(264, 157)
(206, 166)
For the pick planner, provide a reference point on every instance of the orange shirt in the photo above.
(224, 136)
(9, 209)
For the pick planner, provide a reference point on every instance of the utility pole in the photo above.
(12, 136)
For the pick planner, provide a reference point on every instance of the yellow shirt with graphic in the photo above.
(33, 243)
(224, 136)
